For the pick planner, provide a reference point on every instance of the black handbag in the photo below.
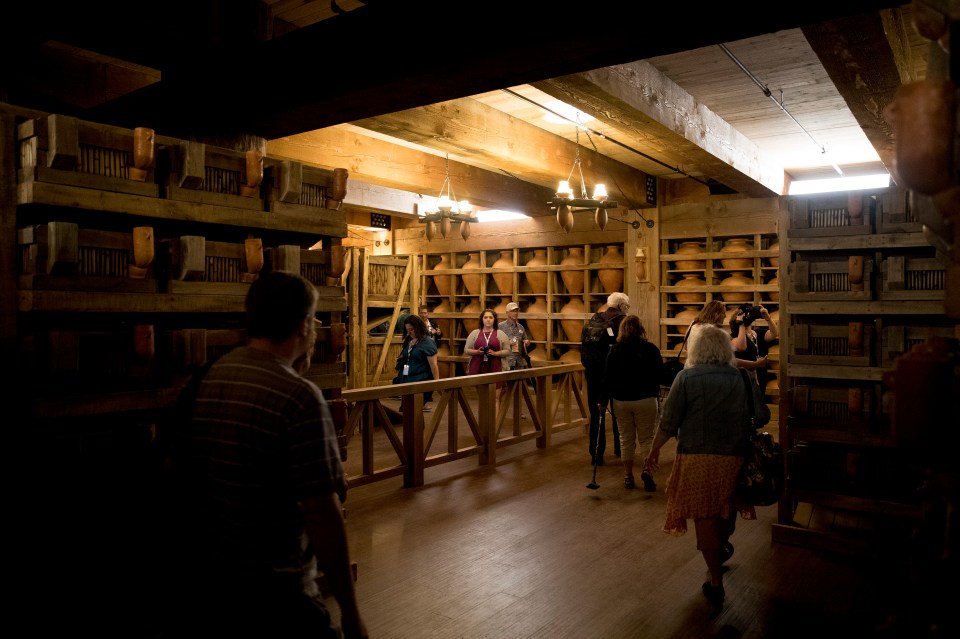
(760, 482)
(672, 367)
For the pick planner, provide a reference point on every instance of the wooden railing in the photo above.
(556, 403)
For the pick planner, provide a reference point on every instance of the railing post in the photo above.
(412, 405)
(544, 401)
(487, 416)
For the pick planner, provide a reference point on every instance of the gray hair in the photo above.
(709, 345)
(616, 299)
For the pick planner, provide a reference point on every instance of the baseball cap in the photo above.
(513, 306)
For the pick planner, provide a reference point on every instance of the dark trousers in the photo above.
(598, 436)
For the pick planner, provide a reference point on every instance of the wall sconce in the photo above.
(448, 210)
(566, 204)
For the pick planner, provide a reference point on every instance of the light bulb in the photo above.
(600, 192)
(444, 203)
(564, 189)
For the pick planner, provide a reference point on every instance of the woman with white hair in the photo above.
(706, 410)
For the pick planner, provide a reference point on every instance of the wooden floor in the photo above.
(525, 550)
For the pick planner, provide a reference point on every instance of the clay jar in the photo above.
(611, 279)
(444, 283)
(472, 281)
(774, 296)
(537, 279)
(538, 327)
(573, 326)
(504, 281)
(501, 308)
(774, 260)
(691, 279)
(572, 356)
(731, 249)
(737, 279)
(443, 324)
(690, 248)
(688, 314)
(444, 367)
(573, 276)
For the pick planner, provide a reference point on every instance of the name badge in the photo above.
(610, 331)
(406, 369)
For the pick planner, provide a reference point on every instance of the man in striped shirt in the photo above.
(263, 482)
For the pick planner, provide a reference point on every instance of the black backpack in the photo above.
(595, 340)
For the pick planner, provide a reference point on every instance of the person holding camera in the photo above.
(486, 345)
(749, 345)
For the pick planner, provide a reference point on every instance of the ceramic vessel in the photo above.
(254, 168)
(688, 314)
(691, 279)
(504, 281)
(737, 279)
(733, 247)
(501, 308)
(573, 277)
(144, 149)
(444, 367)
(443, 324)
(538, 327)
(690, 248)
(444, 283)
(573, 326)
(143, 248)
(611, 279)
(775, 260)
(473, 310)
(774, 296)
(572, 356)
(537, 280)
(472, 281)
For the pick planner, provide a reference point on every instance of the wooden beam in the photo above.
(500, 142)
(376, 161)
(638, 97)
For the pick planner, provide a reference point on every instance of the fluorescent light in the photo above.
(496, 215)
(567, 114)
(828, 185)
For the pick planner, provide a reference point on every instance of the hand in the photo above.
(652, 462)
(764, 313)
(763, 362)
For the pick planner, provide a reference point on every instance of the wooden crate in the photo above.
(209, 175)
(849, 344)
(895, 213)
(64, 256)
(59, 149)
(904, 277)
(829, 280)
(849, 407)
(898, 338)
(294, 186)
(192, 264)
(830, 215)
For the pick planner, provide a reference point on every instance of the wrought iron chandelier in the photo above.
(566, 204)
(448, 210)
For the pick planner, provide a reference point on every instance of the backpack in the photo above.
(595, 340)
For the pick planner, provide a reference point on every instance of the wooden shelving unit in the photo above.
(855, 299)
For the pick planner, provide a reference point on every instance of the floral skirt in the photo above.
(702, 486)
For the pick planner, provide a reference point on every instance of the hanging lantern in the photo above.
(431, 231)
(565, 217)
(601, 218)
(445, 225)
(465, 230)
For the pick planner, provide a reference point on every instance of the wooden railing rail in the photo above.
(555, 404)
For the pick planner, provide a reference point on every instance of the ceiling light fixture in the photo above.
(831, 185)
(448, 210)
(566, 204)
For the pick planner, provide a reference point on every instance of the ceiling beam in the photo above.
(374, 160)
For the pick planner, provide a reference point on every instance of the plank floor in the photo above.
(525, 550)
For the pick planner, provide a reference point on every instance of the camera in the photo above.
(750, 312)
(484, 349)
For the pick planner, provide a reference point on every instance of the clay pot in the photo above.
(537, 280)
(501, 308)
(572, 356)
(690, 248)
(774, 296)
(611, 279)
(737, 279)
(733, 247)
(504, 281)
(688, 314)
(338, 261)
(444, 283)
(144, 149)
(473, 309)
(443, 324)
(144, 345)
(253, 252)
(572, 327)
(573, 277)
(143, 248)
(444, 367)
(775, 260)
(338, 338)
(538, 327)
(691, 279)
(472, 281)
(254, 167)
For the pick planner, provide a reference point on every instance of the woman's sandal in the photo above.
(629, 482)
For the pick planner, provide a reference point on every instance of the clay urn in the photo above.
(472, 281)
(504, 281)
(734, 247)
(443, 324)
(572, 356)
(775, 259)
(537, 280)
(611, 279)
(737, 279)
(444, 283)
(538, 327)
(690, 279)
(774, 296)
(443, 350)
(572, 276)
(690, 248)
(572, 325)
(688, 314)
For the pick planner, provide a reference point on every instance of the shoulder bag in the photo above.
(672, 367)
(761, 477)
